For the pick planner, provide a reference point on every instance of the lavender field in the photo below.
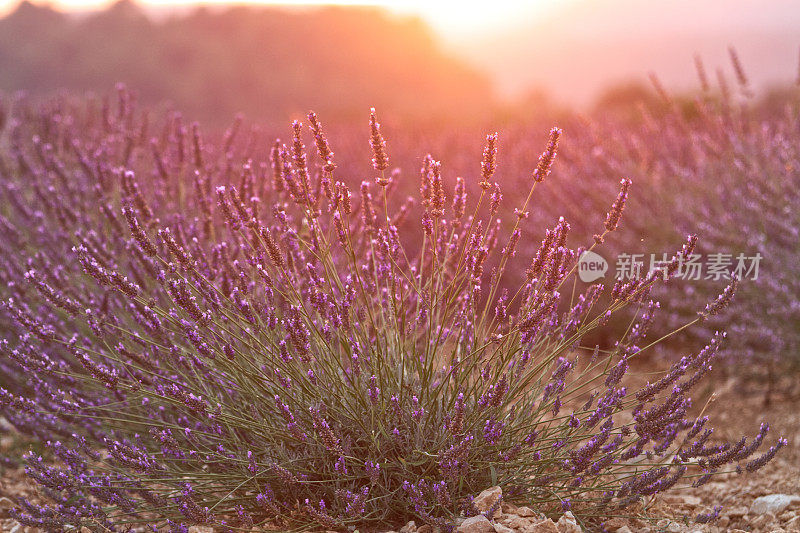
(389, 321)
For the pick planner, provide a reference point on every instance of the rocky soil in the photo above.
(768, 501)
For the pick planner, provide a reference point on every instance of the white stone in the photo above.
(774, 503)
(568, 524)
(476, 524)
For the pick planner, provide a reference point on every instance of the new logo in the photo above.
(591, 267)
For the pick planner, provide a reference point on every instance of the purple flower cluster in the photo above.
(255, 344)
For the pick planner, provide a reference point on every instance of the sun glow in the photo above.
(451, 18)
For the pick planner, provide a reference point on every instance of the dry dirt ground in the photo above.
(736, 409)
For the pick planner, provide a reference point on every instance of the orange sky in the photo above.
(453, 19)
(574, 49)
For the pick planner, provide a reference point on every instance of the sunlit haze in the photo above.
(452, 19)
(568, 51)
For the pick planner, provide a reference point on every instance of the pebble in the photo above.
(476, 524)
(774, 503)
(508, 508)
(486, 499)
(500, 528)
(545, 526)
(410, 527)
(668, 525)
(525, 512)
(568, 524)
(517, 523)
(5, 506)
(12, 526)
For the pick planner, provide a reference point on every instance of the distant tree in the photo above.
(271, 63)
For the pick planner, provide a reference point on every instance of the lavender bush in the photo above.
(213, 335)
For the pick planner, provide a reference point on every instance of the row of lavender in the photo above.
(730, 171)
(232, 336)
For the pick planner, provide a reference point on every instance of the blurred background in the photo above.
(694, 100)
(414, 59)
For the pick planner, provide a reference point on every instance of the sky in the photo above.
(453, 20)
(574, 49)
